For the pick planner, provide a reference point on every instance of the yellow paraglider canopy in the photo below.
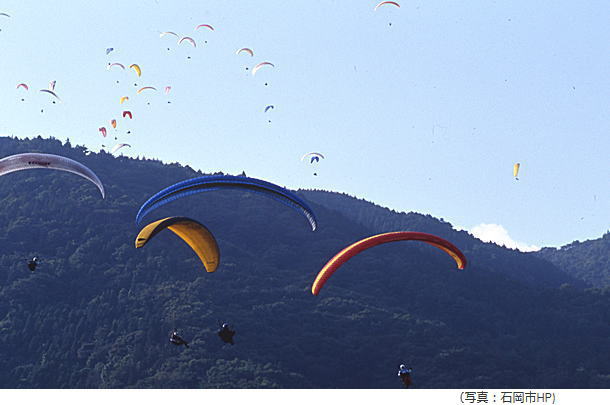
(516, 170)
(197, 236)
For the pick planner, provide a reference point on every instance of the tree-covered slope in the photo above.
(97, 312)
(588, 260)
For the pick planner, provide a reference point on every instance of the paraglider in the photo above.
(357, 247)
(119, 146)
(23, 85)
(161, 35)
(516, 170)
(205, 25)
(195, 234)
(5, 15)
(226, 334)
(314, 157)
(177, 340)
(260, 65)
(404, 373)
(387, 2)
(167, 89)
(145, 88)
(32, 263)
(269, 107)
(116, 64)
(137, 69)
(108, 50)
(25, 161)
(123, 99)
(227, 182)
(52, 85)
(51, 92)
(127, 113)
(103, 131)
(247, 50)
(113, 123)
(188, 39)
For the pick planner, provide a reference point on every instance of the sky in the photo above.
(421, 108)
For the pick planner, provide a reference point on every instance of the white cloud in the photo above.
(497, 234)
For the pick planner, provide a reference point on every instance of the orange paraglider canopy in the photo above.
(355, 248)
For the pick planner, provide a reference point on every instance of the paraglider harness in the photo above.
(177, 340)
(225, 333)
(405, 376)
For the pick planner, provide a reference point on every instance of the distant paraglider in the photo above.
(103, 131)
(51, 92)
(383, 3)
(208, 26)
(355, 248)
(313, 157)
(260, 65)
(188, 39)
(127, 114)
(247, 50)
(108, 50)
(25, 161)
(516, 170)
(23, 85)
(32, 263)
(123, 99)
(227, 182)
(195, 234)
(116, 64)
(145, 88)
(119, 146)
(137, 69)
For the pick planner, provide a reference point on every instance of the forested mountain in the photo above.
(588, 260)
(97, 312)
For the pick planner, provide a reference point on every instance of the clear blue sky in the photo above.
(428, 114)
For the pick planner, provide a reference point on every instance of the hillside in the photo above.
(97, 312)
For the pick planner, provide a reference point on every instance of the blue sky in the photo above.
(427, 114)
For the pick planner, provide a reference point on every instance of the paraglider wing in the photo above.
(103, 131)
(24, 161)
(218, 182)
(25, 86)
(119, 146)
(5, 15)
(116, 64)
(247, 50)
(136, 68)
(168, 89)
(205, 25)
(355, 248)
(113, 123)
(387, 2)
(52, 85)
(268, 108)
(195, 234)
(108, 50)
(516, 170)
(145, 88)
(127, 113)
(260, 65)
(161, 35)
(51, 92)
(189, 39)
(123, 99)
(313, 154)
